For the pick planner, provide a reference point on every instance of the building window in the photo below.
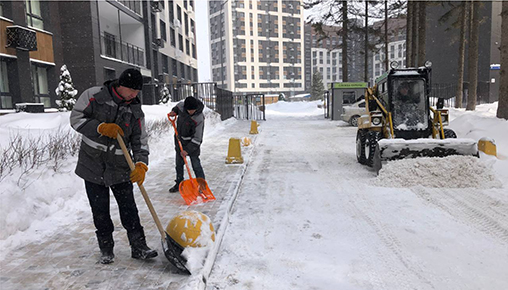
(110, 44)
(5, 98)
(187, 47)
(172, 36)
(174, 67)
(171, 10)
(33, 14)
(165, 64)
(186, 23)
(179, 13)
(194, 51)
(40, 85)
(109, 74)
(180, 42)
(163, 30)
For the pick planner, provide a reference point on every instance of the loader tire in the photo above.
(360, 146)
(449, 133)
(370, 147)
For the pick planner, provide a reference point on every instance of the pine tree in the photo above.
(65, 91)
(316, 89)
(165, 95)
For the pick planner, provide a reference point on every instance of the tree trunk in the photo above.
(409, 32)
(422, 27)
(414, 34)
(473, 56)
(366, 70)
(344, 41)
(502, 106)
(462, 45)
(386, 35)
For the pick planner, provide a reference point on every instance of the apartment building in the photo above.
(97, 40)
(396, 47)
(257, 46)
(324, 55)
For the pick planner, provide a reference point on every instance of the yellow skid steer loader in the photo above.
(400, 123)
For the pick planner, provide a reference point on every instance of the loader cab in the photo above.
(408, 100)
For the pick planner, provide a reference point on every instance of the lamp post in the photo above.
(221, 47)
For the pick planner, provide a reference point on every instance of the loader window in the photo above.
(408, 101)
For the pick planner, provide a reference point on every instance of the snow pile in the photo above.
(447, 172)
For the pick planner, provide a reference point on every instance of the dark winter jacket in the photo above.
(101, 159)
(190, 128)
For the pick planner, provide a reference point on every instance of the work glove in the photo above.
(110, 130)
(138, 174)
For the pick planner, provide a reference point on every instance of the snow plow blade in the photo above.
(394, 149)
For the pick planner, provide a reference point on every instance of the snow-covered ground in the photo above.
(308, 216)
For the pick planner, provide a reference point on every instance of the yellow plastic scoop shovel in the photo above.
(193, 190)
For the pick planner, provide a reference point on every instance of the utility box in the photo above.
(344, 94)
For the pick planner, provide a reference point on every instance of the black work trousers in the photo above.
(98, 196)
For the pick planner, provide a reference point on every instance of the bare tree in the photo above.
(409, 32)
(462, 45)
(473, 56)
(422, 28)
(345, 22)
(502, 107)
(414, 26)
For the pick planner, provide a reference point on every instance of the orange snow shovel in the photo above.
(193, 190)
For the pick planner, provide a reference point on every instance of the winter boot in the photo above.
(175, 187)
(107, 256)
(139, 248)
(106, 245)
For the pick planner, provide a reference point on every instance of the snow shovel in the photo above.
(193, 190)
(172, 250)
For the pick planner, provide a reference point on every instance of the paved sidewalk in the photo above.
(68, 259)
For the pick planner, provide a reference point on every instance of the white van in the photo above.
(351, 113)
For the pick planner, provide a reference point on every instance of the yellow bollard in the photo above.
(254, 127)
(234, 151)
(246, 141)
(487, 146)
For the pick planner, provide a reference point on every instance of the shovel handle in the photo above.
(172, 119)
(141, 187)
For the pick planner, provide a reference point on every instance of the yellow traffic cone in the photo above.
(234, 151)
(254, 127)
(246, 141)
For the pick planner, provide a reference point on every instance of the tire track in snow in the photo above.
(467, 207)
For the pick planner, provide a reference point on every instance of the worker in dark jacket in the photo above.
(190, 125)
(100, 114)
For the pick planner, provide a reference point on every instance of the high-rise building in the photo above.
(257, 46)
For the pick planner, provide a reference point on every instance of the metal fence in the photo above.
(250, 107)
(448, 92)
(219, 100)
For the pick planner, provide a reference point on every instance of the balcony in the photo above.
(127, 52)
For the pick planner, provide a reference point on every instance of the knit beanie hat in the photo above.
(190, 103)
(131, 78)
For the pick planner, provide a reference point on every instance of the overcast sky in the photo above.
(203, 41)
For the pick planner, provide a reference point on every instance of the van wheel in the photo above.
(353, 121)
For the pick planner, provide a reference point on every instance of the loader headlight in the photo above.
(394, 64)
(376, 121)
(428, 63)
